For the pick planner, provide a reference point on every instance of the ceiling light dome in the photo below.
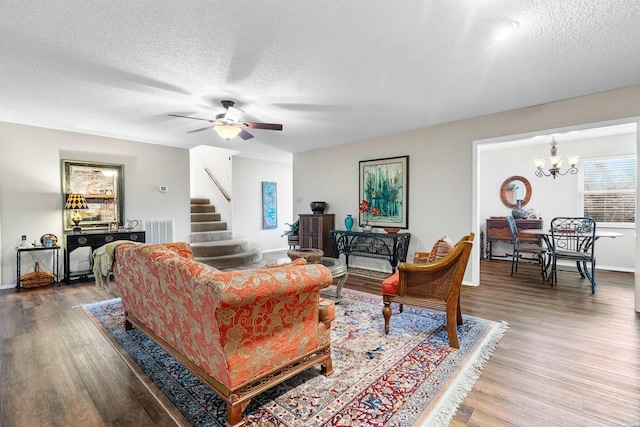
(504, 29)
(227, 132)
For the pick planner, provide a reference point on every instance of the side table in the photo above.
(311, 255)
(339, 273)
(56, 260)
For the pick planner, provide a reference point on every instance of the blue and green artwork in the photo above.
(269, 205)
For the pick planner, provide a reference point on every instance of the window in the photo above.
(607, 189)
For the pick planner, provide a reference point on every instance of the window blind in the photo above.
(607, 189)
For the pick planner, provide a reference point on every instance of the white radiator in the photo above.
(158, 230)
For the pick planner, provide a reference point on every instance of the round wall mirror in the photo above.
(515, 188)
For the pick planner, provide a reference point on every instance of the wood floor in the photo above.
(569, 358)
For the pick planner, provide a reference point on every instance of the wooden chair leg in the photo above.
(452, 328)
(234, 413)
(127, 324)
(386, 312)
(326, 367)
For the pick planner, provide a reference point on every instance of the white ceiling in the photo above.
(330, 72)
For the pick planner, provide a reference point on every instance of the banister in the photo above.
(215, 181)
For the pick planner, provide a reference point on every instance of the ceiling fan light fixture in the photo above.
(227, 132)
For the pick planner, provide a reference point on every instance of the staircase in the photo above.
(212, 243)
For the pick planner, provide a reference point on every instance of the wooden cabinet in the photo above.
(498, 231)
(315, 232)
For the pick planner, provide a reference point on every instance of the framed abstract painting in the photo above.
(384, 192)
(269, 205)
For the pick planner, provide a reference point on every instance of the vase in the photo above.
(367, 228)
(348, 222)
(318, 207)
(518, 212)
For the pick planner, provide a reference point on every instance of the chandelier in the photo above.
(556, 163)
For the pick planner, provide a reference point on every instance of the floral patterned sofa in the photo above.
(241, 332)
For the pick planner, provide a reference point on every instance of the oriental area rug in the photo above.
(410, 377)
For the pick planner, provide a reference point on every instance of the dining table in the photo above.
(586, 245)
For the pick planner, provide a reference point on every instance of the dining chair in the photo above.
(519, 248)
(573, 239)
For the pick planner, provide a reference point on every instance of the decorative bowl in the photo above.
(318, 207)
(391, 230)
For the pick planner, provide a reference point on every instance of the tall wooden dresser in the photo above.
(498, 231)
(315, 232)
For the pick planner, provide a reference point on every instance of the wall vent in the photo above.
(158, 230)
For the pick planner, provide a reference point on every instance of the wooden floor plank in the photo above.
(569, 358)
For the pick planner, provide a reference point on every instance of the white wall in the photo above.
(246, 201)
(442, 192)
(549, 197)
(439, 193)
(30, 183)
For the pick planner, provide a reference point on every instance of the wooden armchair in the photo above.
(431, 285)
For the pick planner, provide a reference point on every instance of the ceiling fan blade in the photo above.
(234, 114)
(245, 135)
(269, 126)
(200, 130)
(194, 118)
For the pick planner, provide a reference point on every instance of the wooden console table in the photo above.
(390, 246)
(94, 239)
(498, 231)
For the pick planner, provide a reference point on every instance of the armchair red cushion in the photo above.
(390, 284)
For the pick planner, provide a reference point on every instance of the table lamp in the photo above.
(76, 202)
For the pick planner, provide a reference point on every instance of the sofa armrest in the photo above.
(245, 287)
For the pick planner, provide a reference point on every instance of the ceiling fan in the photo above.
(228, 124)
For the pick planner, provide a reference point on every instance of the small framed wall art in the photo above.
(269, 205)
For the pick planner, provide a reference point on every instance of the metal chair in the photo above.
(573, 239)
(518, 249)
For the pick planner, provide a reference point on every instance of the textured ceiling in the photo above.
(330, 72)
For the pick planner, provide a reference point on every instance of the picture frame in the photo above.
(269, 205)
(113, 226)
(384, 184)
(102, 185)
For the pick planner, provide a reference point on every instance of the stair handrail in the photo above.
(215, 181)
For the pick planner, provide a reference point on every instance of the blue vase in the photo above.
(348, 222)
